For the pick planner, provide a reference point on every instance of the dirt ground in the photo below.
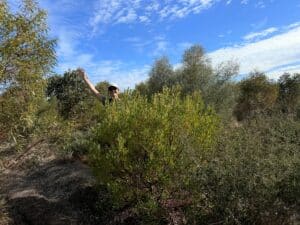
(40, 187)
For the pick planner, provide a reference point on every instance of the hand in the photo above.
(81, 73)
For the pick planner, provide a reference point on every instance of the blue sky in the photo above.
(118, 40)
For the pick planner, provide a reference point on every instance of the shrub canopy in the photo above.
(146, 151)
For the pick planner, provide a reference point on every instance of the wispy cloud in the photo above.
(293, 25)
(260, 4)
(244, 2)
(280, 50)
(228, 2)
(108, 12)
(160, 48)
(285, 69)
(260, 34)
(130, 16)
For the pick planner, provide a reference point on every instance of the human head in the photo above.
(113, 91)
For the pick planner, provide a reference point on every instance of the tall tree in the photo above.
(197, 71)
(223, 92)
(142, 88)
(26, 55)
(257, 95)
(160, 75)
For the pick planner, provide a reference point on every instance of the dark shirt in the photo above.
(104, 99)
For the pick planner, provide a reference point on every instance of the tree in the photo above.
(26, 56)
(289, 92)
(223, 92)
(102, 87)
(257, 95)
(197, 72)
(160, 75)
(142, 88)
(70, 92)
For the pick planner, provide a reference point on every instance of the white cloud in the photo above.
(108, 12)
(260, 34)
(228, 2)
(287, 69)
(153, 6)
(129, 17)
(260, 5)
(161, 47)
(244, 2)
(65, 46)
(144, 19)
(293, 25)
(277, 51)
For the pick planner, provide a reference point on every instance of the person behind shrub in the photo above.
(113, 89)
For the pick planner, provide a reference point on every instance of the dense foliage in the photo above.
(71, 93)
(258, 95)
(146, 152)
(26, 56)
(289, 93)
(253, 176)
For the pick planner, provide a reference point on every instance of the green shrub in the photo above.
(146, 152)
(253, 176)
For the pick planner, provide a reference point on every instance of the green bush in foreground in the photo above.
(146, 152)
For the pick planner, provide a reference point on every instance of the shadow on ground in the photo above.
(60, 192)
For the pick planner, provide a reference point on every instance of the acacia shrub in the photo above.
(145, 151)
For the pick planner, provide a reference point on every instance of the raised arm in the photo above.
(84, 76)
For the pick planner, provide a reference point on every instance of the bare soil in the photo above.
(42, 188)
